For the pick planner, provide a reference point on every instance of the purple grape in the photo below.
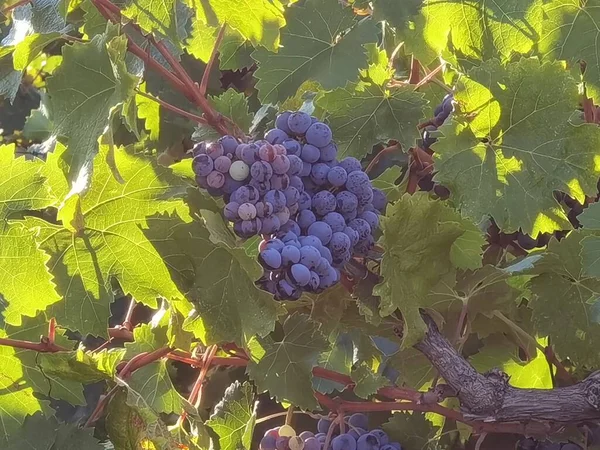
(199, 149)
(310, 153)
(293, 209)
(270, 225)
(281, 164)
(247, 228)
(310, 240)
(354, 238)
(335, 221)
(346, 202)
(343, 441)
(306, 218)
(379, 199)
(267, 152)
(276, 136)
(368, 441)
(276, 198)
(371, 218)
(329, 152)
(324, 202)
(222, 164)
(322, 231)
(356, 432)
(231, 185)
(270, 258)
(381, 435)
(202, 165)
(350, 215)
(268, 443)
(318, 134)
(293, 227)
(350, 164)
(291, 195)
(229, 144)
(247, 211)
(214, 150)
(365, 198)
(215, 179)
(309, 256)
(262, 188)
(280, 182)
(261, 171)
(306, 169)
(364, 245)
(290, 254)
(305, 201)
(358, 182)
(359, 420)
(288, 237)
(340, 259)
(297, 183)
(323, 425)
(249, 153)
(329, 279)
(292, 146)
(299, 122)
(326, 253)
(283, 215)
(319, 173)
(323, 267)
(275, 244)
(296, 165)
(281, 121)
(340, 243)
(230, 211)
(361, 226)
(313, 284)
(245, 194)
(312, 443)
(300, 274)
(305, 435)
(337, 176)
(282, 442)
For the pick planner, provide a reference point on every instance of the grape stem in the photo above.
(172, 108)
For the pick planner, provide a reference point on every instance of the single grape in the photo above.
(379, 199)
(290, 254)
(249, 153)
(283, 216)
(296, 165)
(286, 431)
(261, 171)
(280, 182)
(305, 201)
(215, 179)
(324, 202)
(276, 136)
(340, 259)
(306, 169)
(276, 198)
(326, 253)
(319, 173)
(365, 197)
(270, 225)
(229, 144)
(337, 176)
(231, 185)
(371, 218)
(238, 150)
(312, 241)
(313, 284)
(358, 182)
(356, 432)
(297, 183)
(289, 237)
(245, 194)
(202, 165)
(346, 202)
(214, 150)
(270, 258)
(281, 164)
(292, 226)
(199, 149)
(262, 188)
(329, 152)
(267, 152)
(320, 436)
(335, 221)
(281, 121)
(309, 256)
(318, 134)
(247, 228)
(282, 442)
(343, 442)
(312, 443)
(368, 441)
(239, 170)
(275, 244)
(291, 195)
(296, 443)
(306, 434)
(323, 425)
(306, 218)
(396, 445)
(300, 274)
(381, 435)
(361, 226)
(299, 122)
(329, 279)
(230, 211)
(292, 146)
(364, 245)
(350, 164)
(340, 243)
(263, 209)
(322, 231)
(323, 267)
(268, 443)
(350, 215)
(310, 153)
(222, 164)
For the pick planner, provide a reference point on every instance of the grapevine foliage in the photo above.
(212, 211)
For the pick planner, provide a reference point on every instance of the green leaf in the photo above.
(473, 31)
(312, 48)
(112, 242)
(38, 433)
(257, 21)
(467, 250)
(284, 368)
(387, 183)
(91, 80)
(517, 146)
(151, 387)
(590, 218)
(591, 256)
(38, 126)
(498, 352)
(569, 33)
(10, 79)
(234, 417)
(397, 14)
(414, 431)
(338, 358)
(146, 338)
(75, 365)
(414, 238)
(563, 300)
(234, 51)
(71, 437)
(367, 382)
(154, 17)
(27, 50)
(415, 369)
(231, 104)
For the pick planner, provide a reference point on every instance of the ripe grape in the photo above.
(322, 231)
(306, 169)
(381, 435)
(337, 176)
(281, 121)
(310, 153)
(291, 195)
(297, 183)
(215, 179)
(305, 201)
(300, 274)
(290, 254)
(319, 173)
(299, 122)
(328, 152)
(359, 420)
(346, 202)
(371, 218)
(283, 215)
(276, 198)
(329, 279)
(310, 240)
(358, 182)
(335, 221)
(261, 171)
(276, 136)
(281, 164)
(296, 165)
(231, 185)
(309, 256)
(350, 164)
(306, 218)
(361, 226)
(249, 153)
(326, 253)
(267, 152)
(318, 134)
(229, 144)
(368, 441)
(247, 211)
(214, 150)
(280, 182)
(268, 443)
(270, 258)
(239, 170)
(340, 243)
(343, 442)
(292, 146)
(262, 188)
(202, 165)
(230, 211)
(379, 200)
(222, 164)
(312, 443)
(199, 149)
(323, 425)
(270, 225)
(324, 202)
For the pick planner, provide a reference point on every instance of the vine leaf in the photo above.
(517, 146)
(284, 368)
(75, 365)
(415, 236)
(415, 369)
(387, 182)
(146, 338)
(10, 79)
(234, 51)
(338, 358)
(590, 220)
(234, 417)
(413, 430)
(150, 387)
(311, 47)
(231, 104)
(474, 31)
(366, 112)
(154, 17)
(112, 243)
(91, 80)
(570, 33)
(499, 353)
(367, 382)
(562, 284)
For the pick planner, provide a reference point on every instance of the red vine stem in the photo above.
(211, 61)
(14, 5)
(44, 346)
(173, 108)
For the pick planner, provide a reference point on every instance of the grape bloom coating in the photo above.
(313, 212)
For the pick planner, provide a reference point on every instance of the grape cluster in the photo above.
(356, 437)
(441, 113)
(313, 211)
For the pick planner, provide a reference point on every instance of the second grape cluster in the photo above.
(314, 212)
